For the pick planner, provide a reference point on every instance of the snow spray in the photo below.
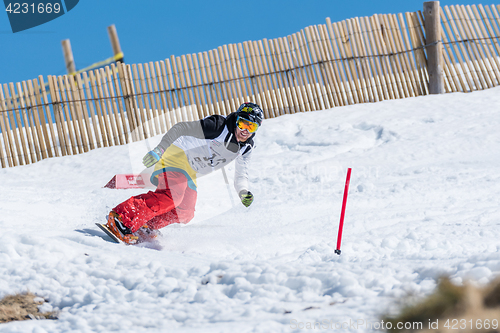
(342, 214)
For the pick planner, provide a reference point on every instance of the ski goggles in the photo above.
(245, 124)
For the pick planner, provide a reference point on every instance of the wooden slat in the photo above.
(376, 82)
(491, 33)
(326, 84)
(480, 33)
(7, 135)
(117, 122)
(57, 107)
(134, 105)
(129, 123)
(228, 82)
(457, 54)
(478, 52)
(275, 58)
(134, 98)
(220, 88)
(147, 125)
(450, 78)
(106, 135)
(59, 117)
(281, 47)
(207, 91)
(15, 130)
(333, 48)
(168, 93)
(390, 61)
(117, 106)
(174, 89)
(42, 121)
(185, 89)
(351, 49)
(81, 107)
(189, 89)
(221, 83)
(49, 120)
(9, 110)
(206, 64)
(391, 52)
(258, 89)
(265, 87)
(270, 78)
(295, 75)
(186, 102)
(76, 145)
(458, 27)
(166, 107)
(72, 146)
(237, 74)
(347, 61)
(31, 121)
(407, 55)
(333, 86)
(93, 117)
(313, 76)
(253, 87)
(467, 63)
(157, 96)
(379, 85)
(309, 78)
(153, 100)
(179, 89)
(331, 65)
(396, 58)
(417, 42)
(411, 55)
(23, 134)
(256, 78)
(321, 82)
(148, 103)
(305, 89)
(383, 68)
(359, 54)
(42, 138)
(197, 85)
(76, 113)
(27, 125)
(243, 67)
(409, 79)
(110, 114)
(495, 20)
(450, 59)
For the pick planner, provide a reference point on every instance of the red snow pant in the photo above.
(173, 201)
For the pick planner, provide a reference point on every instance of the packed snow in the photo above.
(423, 202)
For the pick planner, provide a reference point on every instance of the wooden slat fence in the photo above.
(359, 60)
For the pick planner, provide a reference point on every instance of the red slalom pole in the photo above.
(342, 214)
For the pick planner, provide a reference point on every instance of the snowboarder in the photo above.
(188, 150)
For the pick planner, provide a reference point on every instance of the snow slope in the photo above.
(423, 202)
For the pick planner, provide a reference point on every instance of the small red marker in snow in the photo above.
(342, 214)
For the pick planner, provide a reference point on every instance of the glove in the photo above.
(152, 157)
(246, 197)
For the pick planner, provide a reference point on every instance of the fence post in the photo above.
(435, 48)
(68, 56)
(115, 43)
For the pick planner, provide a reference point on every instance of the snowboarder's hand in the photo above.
(152, 157)
(246, 197)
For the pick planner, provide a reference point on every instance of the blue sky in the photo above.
(152, 30)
